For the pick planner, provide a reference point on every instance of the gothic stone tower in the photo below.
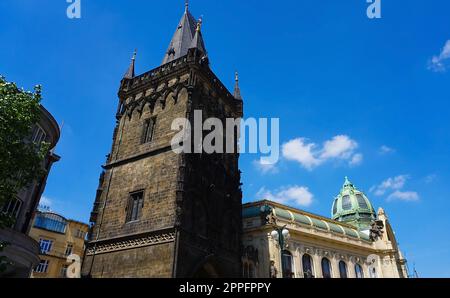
(158, 213)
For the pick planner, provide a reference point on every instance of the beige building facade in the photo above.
(314, 246)
(61, 243)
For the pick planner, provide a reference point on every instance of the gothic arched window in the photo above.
(359, 271)
(342, 269)
(288, 268)
(326, 268)
(307, 266)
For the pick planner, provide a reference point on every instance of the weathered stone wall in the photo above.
(144, 262)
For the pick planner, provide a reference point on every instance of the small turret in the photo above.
(130, 72)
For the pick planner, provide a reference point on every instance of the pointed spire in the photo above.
(237, 90)
(130, 72)
(182, 38)
(197, 41)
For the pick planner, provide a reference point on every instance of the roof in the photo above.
(182, 38)
(352, 206)
(304, 219)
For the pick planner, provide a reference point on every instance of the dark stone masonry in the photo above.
(158, 213)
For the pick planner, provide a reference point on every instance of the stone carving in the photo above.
(132, 243)
(376, 230)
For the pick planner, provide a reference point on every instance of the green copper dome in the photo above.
(353, 207)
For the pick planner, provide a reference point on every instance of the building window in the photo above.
(362, 202)
(288, 270)
(42, 267)
(135, 205)
(307, 266)
(12, 208)
(335, 206)
(326, 268)
(148, 131)
(342, 269)
(45, 246)
(69, 249)
(359, 271)
(346, 203)
(38, 135)
(80, 234)
(63, 272)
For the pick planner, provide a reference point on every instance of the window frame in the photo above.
(327, 262)
(133, 215)
(311, 265)
(69, 249)
(12, 208)
(148, 131)
(343, 269)
(45, 246)
(42, 267)
(358, 266)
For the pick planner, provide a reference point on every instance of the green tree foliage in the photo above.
(20, 159)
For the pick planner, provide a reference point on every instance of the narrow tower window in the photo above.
(135, 204)
(149, 129)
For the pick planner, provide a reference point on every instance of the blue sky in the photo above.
(358, 97)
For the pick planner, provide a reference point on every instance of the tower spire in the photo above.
(182, 38)
(237, 90)
(130, 72)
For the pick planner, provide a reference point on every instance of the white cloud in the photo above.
(340, 147)
(265, 168)
(408, 196)
(356, 159)
(294, 195)
(395, 186)
(298, 150)
(440, 63)
(386, 150)
(395, 183)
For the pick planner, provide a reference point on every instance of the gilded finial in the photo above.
(186, 5)
(199, 24)
(236, 77)
(134, 54)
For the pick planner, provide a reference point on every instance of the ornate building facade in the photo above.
(23, 251)
(158, 213)
(356, 243)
